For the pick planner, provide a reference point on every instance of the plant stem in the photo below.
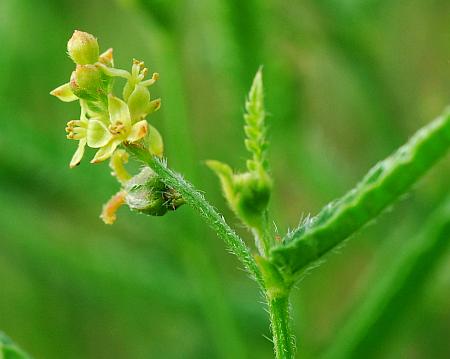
(197, 201)
(263, 237)
(283, 340)
(278, 305)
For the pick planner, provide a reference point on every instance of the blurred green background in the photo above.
(346, 83)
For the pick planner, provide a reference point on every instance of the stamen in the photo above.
(76, 129)
(117, 128)
(110, 208)
(155, 77)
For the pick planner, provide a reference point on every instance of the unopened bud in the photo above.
(87, 82)
(139, 102)
(252, 194)
(83, 48)
(247, 193)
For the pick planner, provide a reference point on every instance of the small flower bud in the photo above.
(252, 194)
(87, 82)
(146, 193)
(139, 102)
(83, 48)
(247, 193)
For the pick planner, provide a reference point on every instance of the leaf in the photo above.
(225, 174)
(255, 128)
(384, 183)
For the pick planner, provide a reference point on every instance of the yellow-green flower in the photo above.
(120, 129)
(107, 121)
(106, 135)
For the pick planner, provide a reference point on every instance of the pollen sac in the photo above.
(147, 194)
(83, 48)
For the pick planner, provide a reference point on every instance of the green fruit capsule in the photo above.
(146, 193)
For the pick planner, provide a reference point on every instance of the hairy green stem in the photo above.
(197, 201)
(263, 237)
(283, 340)
(278, 305)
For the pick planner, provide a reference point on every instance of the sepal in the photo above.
(64, 93)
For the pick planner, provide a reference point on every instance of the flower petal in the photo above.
(118, 112)
(138, 102)
(155, 142)
(138, 131)
(64, 93)
(78, 155)
(106, 151)
(97, 134)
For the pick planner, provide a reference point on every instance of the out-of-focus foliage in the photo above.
(9, 350)
(346, 83)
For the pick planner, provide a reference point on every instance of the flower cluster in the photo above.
(106, 121)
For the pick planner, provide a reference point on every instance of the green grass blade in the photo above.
(9, 350)
(384, 183)
(372, 322)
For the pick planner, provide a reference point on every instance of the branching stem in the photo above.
(278, 306)
(197, 201)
